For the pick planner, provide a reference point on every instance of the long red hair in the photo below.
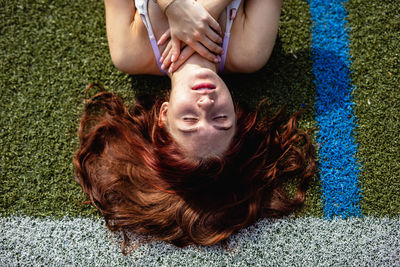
(137, 177)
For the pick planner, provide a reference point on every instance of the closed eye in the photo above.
(195, 129)
(190, 119)
(221, 117)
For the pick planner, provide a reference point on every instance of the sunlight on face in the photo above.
(200, 114)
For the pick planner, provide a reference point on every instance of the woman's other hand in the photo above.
(166, 57)
(191, 24)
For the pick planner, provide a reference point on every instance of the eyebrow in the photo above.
(195, 129)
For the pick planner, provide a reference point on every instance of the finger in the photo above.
(215, 25)
(204, 52)
(164, 37)
(165, 53)
(210, 45)
(185, 54)
(213, 36)
(167, 61)
(176, 49)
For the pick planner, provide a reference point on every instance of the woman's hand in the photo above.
(191, 24)
(166, 56)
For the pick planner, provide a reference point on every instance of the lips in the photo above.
(204, 86)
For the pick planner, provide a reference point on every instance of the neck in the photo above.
(194, 62)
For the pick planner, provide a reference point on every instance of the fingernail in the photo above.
(158, 42)
(173, 58)
(162, 66)
(170, 70)
(161, 59)
(216, 60)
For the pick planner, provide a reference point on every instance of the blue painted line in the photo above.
(339, 168)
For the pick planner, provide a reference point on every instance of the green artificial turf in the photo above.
(50, 51)
(375, 50)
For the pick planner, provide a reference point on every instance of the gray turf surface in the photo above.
(290, 242)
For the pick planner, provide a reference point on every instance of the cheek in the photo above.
(228, 103)
(179, 97)
(184, 104)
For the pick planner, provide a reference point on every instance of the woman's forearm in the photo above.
(164, 4)
(214, 7)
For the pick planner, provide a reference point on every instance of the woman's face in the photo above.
(200, 115)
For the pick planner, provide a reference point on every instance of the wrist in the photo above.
(214, 8)
(167, 4)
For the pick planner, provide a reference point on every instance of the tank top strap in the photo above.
(231, 11)
(142, 7)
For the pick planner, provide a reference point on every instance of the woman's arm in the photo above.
(253, 35)
(215, 8)
(126, 50)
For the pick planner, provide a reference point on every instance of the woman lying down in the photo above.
(193, 166)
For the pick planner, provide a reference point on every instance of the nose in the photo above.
(205, 102)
